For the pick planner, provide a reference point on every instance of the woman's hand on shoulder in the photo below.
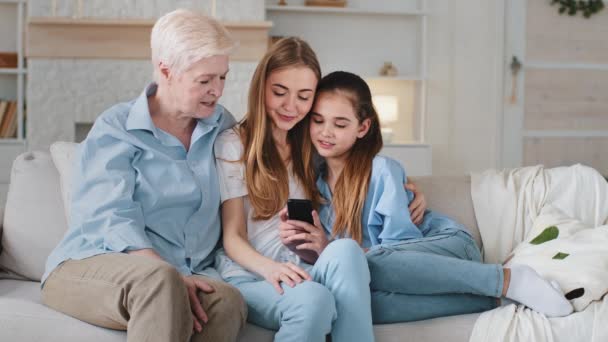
(288, 273)
(418, 205)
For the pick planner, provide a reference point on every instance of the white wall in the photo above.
(465, 79)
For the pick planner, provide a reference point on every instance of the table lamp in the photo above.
(386, 106)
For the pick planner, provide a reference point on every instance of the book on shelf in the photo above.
(8, 59)
(3, 106)
(8, 126)
(12, 129)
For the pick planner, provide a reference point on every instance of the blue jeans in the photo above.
(337, 301)
(438, 275)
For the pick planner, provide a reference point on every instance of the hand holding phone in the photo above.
(301, 210)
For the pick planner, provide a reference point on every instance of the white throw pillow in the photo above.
(570, 252)
(63, 157)
(34, 220)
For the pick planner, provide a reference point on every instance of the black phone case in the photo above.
(300, 209)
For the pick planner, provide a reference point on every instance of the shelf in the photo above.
(131, 22)
(64, 37)
(341, 10)
(414, 144)
(565, 66)
(12, 71)
(565, 134)
(394, 78)
(11, 141)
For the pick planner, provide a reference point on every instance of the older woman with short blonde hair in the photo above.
(145, 222)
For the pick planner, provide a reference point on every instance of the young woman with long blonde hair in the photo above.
(262, 162)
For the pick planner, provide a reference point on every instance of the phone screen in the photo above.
(300, 209)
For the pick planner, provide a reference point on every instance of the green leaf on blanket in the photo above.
(560, 256)
(548, 234)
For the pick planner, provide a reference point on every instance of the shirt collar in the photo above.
(322, 185)
(139, 115)
(204, 126)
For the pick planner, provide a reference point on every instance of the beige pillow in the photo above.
(34, 220)
(63, 156)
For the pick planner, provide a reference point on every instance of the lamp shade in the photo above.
(386, 105)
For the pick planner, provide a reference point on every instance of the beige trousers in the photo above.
(145, 296)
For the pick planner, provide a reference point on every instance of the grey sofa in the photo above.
(34, 221)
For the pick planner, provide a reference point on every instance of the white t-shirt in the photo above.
(263, 234)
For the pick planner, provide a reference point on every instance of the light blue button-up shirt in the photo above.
(386, 218)
(135, 186)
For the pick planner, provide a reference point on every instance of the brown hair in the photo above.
(353, 183)
(265, 173)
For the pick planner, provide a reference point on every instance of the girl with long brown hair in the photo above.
(262, 162)
(417, 272)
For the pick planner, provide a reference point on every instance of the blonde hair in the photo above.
(352, 185)
(265, 173)
(183, 37)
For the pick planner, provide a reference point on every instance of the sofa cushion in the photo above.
(62, 154)
(451, 196)
(34, 219)
(24, 318)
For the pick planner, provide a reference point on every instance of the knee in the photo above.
(162, 284)
(346, 254)
(316, 306)
(345, 249)
(230, 306)
(164, 277)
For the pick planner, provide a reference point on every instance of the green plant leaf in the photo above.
(548, 234)
(560, 256)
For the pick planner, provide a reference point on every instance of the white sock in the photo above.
(530, 289)
(556, 287)
(504, 301)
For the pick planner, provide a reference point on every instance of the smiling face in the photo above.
(289, 94)
(334, 125)
(195, 92)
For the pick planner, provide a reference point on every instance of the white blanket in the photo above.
(507, 203)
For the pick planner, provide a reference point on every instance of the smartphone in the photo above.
(300, 209)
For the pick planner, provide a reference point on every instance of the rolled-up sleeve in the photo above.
(231, 171)
(104, 187)
(392, 206)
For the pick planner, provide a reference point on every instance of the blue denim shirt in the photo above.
(135, 186)
(386, 218)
